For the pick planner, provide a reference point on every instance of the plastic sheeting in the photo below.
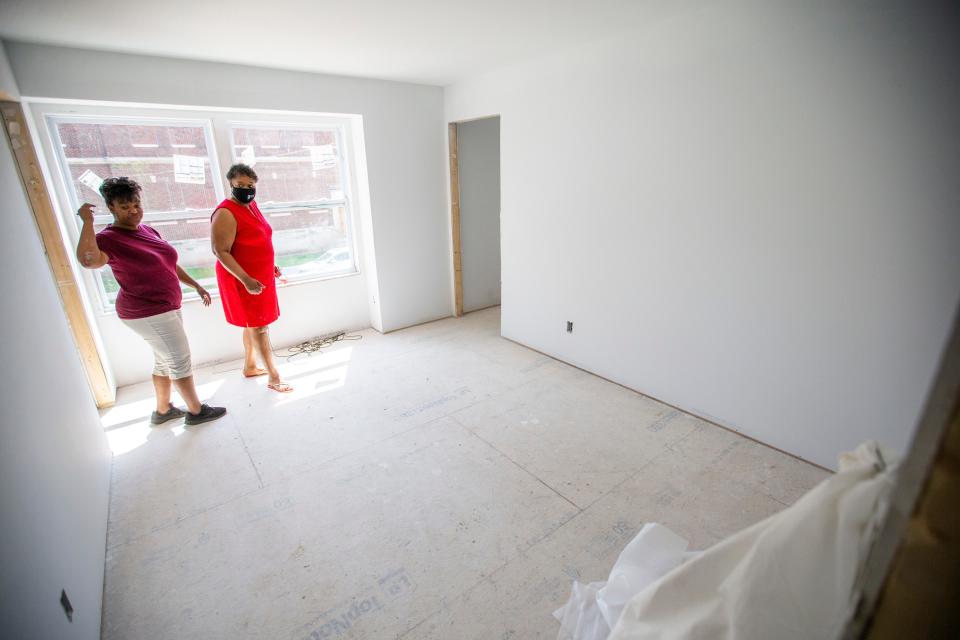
(788, 577)
(595, 608)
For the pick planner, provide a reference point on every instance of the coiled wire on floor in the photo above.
(315, 345)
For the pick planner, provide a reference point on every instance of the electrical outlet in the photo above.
(65, 603)
(569, 327)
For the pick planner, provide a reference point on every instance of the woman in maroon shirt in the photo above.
(146, 268)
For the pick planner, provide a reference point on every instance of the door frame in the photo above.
(455, 209)
(455, 220)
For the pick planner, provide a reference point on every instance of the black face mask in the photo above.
(244, 195)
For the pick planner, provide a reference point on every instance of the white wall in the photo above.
(54, 460)
(403, 139)
(8, 86)
(750, 210)
(478, 155)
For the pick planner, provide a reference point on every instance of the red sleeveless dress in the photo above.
(253, 250)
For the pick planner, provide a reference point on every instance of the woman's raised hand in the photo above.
(86, 212)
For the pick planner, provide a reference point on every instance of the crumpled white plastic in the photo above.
(790, 576)
(595, 608)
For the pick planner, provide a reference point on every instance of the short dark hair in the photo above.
(241, 169)
(122, 188)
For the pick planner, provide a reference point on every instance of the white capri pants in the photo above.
(165, 335)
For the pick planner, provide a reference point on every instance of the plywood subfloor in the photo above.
(434, 483)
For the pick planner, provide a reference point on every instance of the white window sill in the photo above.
(191, 298)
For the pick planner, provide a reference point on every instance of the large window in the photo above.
(301, 192)
(302, 189)
(171, 162)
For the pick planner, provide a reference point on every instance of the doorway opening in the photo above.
(475, 213)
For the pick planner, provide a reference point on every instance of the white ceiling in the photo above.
(426, 41)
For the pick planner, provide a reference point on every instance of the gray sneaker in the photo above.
(206, 414)
(171, 414)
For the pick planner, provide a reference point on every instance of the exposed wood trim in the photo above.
(25, 158)
(455, 218)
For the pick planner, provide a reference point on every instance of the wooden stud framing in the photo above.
(455, 217)
(25, 157)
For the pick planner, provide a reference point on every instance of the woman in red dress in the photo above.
(242, 241)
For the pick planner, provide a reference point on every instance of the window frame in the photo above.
(51, 120)
(217, 123)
